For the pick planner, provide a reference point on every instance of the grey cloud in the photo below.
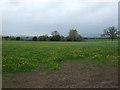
(42, 18)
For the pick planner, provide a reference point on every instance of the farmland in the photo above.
(26, 56)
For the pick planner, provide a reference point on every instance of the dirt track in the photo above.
(73, 74)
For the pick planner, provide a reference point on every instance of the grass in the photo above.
(25, 56)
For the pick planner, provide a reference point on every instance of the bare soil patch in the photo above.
(73, 74)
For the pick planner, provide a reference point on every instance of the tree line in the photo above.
(55, 36)
(109, 33)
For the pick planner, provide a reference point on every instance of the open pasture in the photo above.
(25, 56)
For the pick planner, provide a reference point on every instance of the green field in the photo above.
(25, 56)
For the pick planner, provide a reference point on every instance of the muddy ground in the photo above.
(73, 74)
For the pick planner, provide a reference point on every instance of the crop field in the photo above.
(25, 56)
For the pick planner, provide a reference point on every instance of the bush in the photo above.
(17, 38)
(34, 38)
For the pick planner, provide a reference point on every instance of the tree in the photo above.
(55, 36)
(43, 38)
(118, 34)
(111, 32)
(74, 36)
(12, 38)
(18, 38)
(5, 37)
(34, 38)
(54, 33)
(62, 38)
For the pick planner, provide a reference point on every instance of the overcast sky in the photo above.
(40, 18)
